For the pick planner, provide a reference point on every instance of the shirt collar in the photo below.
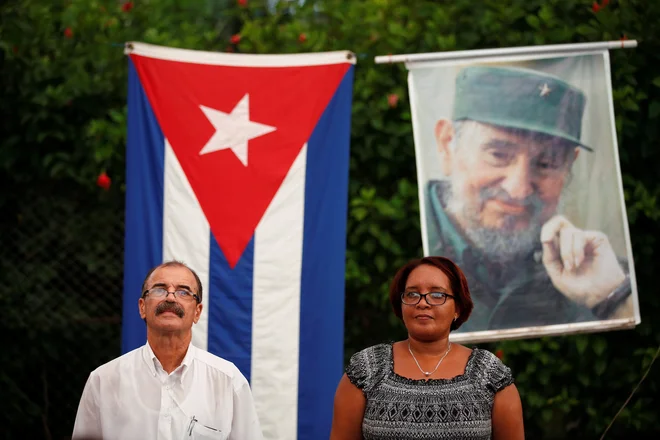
(151, 360)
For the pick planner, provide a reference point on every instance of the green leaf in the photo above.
(545, 14)
(599, 345)
(533, 21)
(654, 109)
(381, 263)
(359, 213)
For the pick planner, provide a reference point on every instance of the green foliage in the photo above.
(63, 122)
(64, 79)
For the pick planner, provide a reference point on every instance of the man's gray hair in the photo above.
(174, 263)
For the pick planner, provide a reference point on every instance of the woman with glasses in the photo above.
(426, 387)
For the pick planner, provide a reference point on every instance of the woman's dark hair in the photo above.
(458, 283)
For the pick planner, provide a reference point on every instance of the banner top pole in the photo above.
(479, 53)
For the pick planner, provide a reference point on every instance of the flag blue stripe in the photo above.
(143, 247)
(323, 267)
(230, 307)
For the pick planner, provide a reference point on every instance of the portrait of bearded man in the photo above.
(507, 154)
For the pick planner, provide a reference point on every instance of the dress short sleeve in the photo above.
(496, 375)
(367, 367)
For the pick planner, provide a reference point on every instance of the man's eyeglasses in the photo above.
(161, 292)
(432, 298)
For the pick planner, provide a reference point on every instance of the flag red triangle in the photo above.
(234, 196)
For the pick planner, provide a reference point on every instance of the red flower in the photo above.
(229, 49)
(15, 49)
(126, 7)
(392, 100)
(68, 33)
(605, 3)
(242, 2)
(499, 354)
(595, 7)
(235, 39)
(302, 38)
(103, 181)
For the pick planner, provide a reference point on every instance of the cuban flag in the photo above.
(237, 165)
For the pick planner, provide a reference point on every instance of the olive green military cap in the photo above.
(521, 99)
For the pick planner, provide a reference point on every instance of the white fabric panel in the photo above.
(186, 234)
(278, 250)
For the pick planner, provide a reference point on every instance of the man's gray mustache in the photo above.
(173, 307)
(499, 194)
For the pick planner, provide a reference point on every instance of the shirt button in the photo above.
(167, 387)
(166, 415)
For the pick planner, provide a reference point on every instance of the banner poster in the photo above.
(520, 185)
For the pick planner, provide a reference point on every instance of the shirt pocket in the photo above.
(203, 432)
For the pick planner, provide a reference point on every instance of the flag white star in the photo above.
(233, 130)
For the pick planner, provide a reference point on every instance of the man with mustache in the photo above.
(507, 155)
(168, 388)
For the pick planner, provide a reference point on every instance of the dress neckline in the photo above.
(408, 380)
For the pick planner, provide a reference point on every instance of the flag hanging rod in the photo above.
(481, 53)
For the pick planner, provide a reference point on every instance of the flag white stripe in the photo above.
(186, 233)
(278, 248)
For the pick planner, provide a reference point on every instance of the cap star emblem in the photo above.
(545, 90)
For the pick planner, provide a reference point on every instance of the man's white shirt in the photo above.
(132, 397)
